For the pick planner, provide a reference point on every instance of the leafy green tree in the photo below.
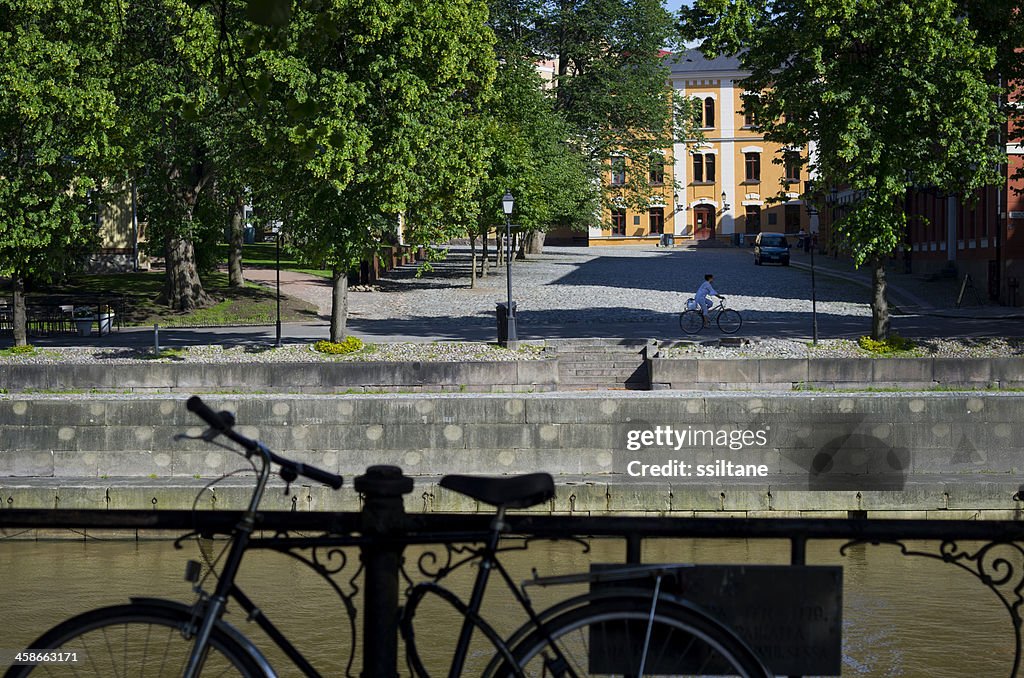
(373, 113)
(612, 85)
(57, 115)
(531, 157)
(895, 94)
(611, 82)
(174, 114)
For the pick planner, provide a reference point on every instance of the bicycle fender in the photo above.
(227, 628)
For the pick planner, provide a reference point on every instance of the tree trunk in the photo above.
(486, 256)
(472, 261)
(339, 304)
(520, 246)
(535, 242)
(499, 249)
(879, 305)
(20, 316)
(183, 289)
(235, 277)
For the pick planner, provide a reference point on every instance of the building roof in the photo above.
(692, 61)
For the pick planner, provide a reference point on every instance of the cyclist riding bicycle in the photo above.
(705, 291)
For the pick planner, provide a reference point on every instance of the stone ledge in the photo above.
(834, 373)
(324, 377)
(597, 496)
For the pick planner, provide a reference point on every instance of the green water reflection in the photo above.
(902, 616)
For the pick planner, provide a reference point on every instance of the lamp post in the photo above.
(511, 340)
(277, 233)
(834, 196)
(812, 225)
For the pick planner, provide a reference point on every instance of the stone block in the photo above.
(586, 497)
(482, 436)
(26, 463)
(593, 436)
(639, 497)
(695, 497)
(27, 497)
(1007, 369)
(711, 372)
(81, 496)
(28, 378)
(782, 371)
(839, 370)
(797, 500)
(974, 493)
(536, 372)
(323, 498)
(677, 373)
(902, 371)
(956, 371)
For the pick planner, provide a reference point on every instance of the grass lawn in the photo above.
(249, 305)
(264, 255)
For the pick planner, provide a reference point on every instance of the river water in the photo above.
(902, 616)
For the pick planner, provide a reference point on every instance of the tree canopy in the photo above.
(895, 94)
(57, 117)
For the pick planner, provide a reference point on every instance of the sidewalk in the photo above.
(911, 294)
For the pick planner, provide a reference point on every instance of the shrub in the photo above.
(348, 345)
(892, 344)
(27, 349)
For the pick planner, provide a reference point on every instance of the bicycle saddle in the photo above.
(514, 492)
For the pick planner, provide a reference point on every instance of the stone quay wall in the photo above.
(941, 455)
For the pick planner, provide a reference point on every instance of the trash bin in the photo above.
(501, 310)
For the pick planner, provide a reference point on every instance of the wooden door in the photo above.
(703, 222)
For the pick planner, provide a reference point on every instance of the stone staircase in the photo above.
(590, 364)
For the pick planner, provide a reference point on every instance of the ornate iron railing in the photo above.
(991, 551)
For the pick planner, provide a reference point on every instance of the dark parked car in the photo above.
(771, 247)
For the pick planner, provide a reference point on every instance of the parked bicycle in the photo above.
(627, 624)
(692, 321)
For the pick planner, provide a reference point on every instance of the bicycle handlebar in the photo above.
(223, 423)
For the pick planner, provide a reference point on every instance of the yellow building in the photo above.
(729, 186)
(733, 182)
(624, 225)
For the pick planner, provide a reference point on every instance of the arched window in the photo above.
(709, 112)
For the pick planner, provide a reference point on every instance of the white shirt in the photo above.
(706, 290)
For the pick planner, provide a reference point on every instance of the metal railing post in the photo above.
(383, 514)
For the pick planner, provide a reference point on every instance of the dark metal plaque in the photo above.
(790, 615)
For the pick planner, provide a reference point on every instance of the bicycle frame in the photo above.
(471, 613)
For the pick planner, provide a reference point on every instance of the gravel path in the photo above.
(635, 284)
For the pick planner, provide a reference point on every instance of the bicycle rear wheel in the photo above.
(135, 640)
(729, 321)
(691, 321)
(609, 638)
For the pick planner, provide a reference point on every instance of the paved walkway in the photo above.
(626, 291)
(911, 293)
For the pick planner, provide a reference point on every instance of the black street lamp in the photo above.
(277, 232)
(511, 340)
(812, 213)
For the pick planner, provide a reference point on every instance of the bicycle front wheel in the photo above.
(610, 638)
(133, 641)
(691, 321)
(730, 321)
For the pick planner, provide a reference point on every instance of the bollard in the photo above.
(156, 338)
(383, 513)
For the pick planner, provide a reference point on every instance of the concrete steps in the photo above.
(585, 364)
